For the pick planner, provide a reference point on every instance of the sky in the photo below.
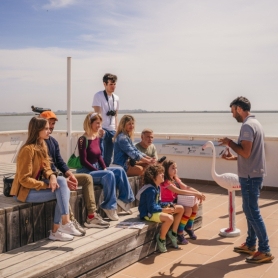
(168, 54)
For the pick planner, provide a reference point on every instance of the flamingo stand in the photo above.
(231, 231)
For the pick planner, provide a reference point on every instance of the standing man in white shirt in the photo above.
(106, 103)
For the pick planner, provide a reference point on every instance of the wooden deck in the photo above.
(209, 255)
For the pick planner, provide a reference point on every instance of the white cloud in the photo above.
(57, 4)
(168, 55)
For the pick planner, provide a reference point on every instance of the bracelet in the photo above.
(229, 144)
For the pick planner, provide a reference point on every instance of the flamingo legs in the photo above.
(231, 231)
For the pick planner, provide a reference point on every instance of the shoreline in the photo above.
(133, 112)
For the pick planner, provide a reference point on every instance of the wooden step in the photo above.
(99, 253)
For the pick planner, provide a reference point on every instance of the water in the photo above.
(190, 123)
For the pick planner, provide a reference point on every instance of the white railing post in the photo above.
(69, 118)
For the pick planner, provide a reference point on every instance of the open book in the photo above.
(130, 225)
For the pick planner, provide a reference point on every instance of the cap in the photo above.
(48, 115)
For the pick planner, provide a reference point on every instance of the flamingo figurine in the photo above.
(229, 181)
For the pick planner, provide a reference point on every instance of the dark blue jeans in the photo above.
(107, 145)
(250, 189)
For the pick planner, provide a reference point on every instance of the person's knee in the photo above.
(165, 217)
(179, 209)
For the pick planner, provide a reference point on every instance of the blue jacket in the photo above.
(123, 149)
(54, 153)
(149, 202)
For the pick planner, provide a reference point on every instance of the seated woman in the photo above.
(125, 152)
(35, 182)
(110, 178)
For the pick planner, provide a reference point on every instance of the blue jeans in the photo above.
(250, 189)
(107, 146)
(111, 179)
(61, 194)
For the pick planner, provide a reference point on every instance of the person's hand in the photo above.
(169, 210)
(53, 185)
(228, 155)
(72, 182)
(224, 141)
(101, 132)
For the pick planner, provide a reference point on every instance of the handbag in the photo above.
(8, 181)
(187, 201)
(74, 161)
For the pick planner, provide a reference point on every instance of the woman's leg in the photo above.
(107, 179)
(122, 184)
(62, 207)
(61, 194)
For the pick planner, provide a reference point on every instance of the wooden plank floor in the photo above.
(212, 255)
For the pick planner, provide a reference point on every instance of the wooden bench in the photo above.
(100, 253)
(26, 252)
(23, 223)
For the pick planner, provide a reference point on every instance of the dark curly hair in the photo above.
(151, 173)
(166, 164)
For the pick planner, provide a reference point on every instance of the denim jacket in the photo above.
(123, 149)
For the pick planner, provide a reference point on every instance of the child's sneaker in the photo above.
(58, 235)
(96, 222)
(78, 227)
(190, 233)
(161, 244)
(69, 229)
(173, 239)
(243, 248)
(260, 257)
(182, 240)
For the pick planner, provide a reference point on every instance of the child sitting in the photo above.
(170, 188)
(151, 210)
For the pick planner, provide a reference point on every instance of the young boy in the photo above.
(151, 210)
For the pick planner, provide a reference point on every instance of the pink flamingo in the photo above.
(231, 183)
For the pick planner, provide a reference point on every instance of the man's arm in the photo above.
(243, 149)
(97, 109)
(116, 120)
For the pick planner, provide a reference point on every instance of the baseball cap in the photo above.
(48, 115)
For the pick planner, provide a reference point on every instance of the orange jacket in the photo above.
(28, 166)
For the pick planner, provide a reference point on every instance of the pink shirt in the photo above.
(166, 194)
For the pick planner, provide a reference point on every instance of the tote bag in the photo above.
(74, 161)
(187, 201)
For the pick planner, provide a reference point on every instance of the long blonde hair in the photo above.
(90, 118)
(121, 127)
(35, 126)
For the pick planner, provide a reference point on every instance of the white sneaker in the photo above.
(69, 229)
(111, 214)
(124, 206)
(58, 235)
(96, 222)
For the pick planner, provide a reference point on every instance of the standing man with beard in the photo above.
(251, 170)
(94, 220)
